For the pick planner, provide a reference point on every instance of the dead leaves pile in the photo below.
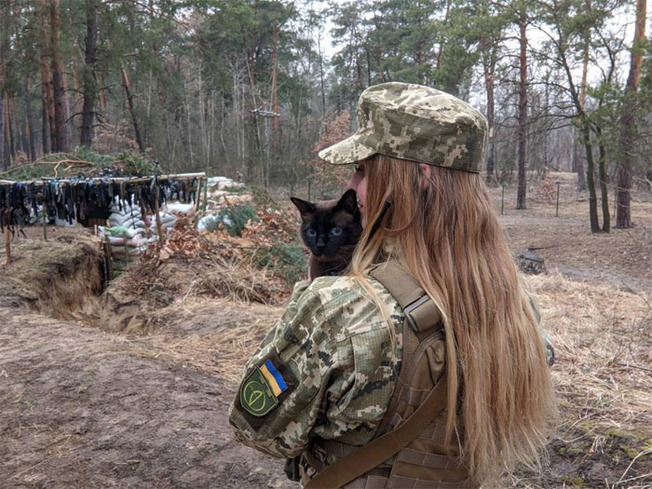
(221, 265)
(184, 241)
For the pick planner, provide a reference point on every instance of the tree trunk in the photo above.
(90, 82)
(3, 138)
(628, 123)
(49, 142)
(101, 94)
(489, 67)
(322, 86)
(45, 122)
(19, 138)
(578, 166)
(275, 105)
(522, 115)
(590, 177)
(30, 119)
(60, 102)
(130, 102)
(604, 181)
(11, 137)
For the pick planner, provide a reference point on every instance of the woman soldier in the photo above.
(423, 366)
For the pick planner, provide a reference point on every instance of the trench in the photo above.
(65, 278)
(56, 278)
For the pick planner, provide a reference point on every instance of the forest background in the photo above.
(251, 89)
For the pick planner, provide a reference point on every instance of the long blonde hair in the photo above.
(500, 395)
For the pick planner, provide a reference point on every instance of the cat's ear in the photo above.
(305, 207)
(348, 202)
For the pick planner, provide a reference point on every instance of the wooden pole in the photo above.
(109, 260)
(159, 228)
(177, 176)
(557, 207)
(198, 196)
(44, 216)
(7, 245)
(125, 238)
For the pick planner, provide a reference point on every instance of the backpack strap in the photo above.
(421, 314)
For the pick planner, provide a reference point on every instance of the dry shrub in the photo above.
(546, 191)
(114, 138)
(330, 178)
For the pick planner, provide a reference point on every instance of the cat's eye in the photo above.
(311, 233)
(336, 231)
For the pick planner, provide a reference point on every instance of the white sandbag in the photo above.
(126, 208)
(133, 223)
(180, 208)
(212, 221)
(120, 231)
(120, 219)
(64, 222)
(136, 242)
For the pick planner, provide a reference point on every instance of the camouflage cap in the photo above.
(416, 123)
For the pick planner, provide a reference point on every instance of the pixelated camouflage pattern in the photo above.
(335, 341)
(416, 123)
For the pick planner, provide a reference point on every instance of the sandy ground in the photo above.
(109, 403)
(83, 408)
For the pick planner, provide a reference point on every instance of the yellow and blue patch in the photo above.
(260, 391)
(273, 377)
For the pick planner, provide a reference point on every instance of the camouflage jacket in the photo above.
(326, 369)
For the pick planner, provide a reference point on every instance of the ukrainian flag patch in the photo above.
(273, 377)
(260, 390)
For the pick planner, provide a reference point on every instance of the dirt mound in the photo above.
(53, 277)
(191, 264)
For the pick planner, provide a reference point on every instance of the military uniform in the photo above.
(336, 370)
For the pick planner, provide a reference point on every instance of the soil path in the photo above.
(84, 408)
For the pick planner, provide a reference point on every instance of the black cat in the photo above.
(330, 230)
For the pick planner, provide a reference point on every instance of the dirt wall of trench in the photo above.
(56, 278)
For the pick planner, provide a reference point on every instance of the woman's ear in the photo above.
(425, 171)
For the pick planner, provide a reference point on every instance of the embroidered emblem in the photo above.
(259, 392)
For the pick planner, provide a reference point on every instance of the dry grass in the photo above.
(239, 280)
(603, 377)
(602, 338)
(602, 374)
(223, 354)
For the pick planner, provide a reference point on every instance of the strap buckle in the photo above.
(412, 307)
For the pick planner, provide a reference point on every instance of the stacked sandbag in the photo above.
(128, 216)
(224, 191)
(167, 221)
(126, 235)
(180, 208)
